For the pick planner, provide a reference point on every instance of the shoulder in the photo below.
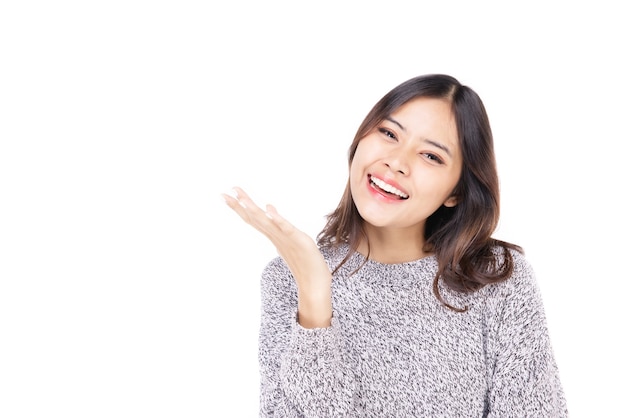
(521, 269)
(275, 266)
(276, 270)
(523, 274)
(520, 292)
(277, 282)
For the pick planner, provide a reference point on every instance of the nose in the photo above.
(397, 162)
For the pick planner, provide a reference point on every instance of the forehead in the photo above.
(428, 117)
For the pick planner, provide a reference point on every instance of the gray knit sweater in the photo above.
(393, 350)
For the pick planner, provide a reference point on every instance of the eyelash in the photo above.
(434, 158)
(387, 133)
(428, 155)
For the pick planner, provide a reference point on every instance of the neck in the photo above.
(393, 246)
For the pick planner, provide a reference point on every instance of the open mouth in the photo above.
(387, 189)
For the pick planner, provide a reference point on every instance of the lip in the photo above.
(377, 193)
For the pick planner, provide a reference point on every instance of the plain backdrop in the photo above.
(129, 289)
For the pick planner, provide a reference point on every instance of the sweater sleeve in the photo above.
(525, 380)
(303, 371)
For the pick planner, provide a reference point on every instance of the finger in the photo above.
(233, 201)
(243, 198)
(248, 210)
(234, 204)
(271, 212)
(278, 220)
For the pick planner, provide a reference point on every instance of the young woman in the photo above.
(406, 306)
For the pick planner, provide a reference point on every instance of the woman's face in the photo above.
(408, 166)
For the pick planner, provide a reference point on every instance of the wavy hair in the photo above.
(460, 236)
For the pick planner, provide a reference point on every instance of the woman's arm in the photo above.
(303, 367)
(525, 379)
(301, 254)
(303, 370)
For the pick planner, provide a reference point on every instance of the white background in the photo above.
(128, 288)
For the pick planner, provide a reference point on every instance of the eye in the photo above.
(387, 133)
(433, 157)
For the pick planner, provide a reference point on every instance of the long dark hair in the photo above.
(460, 236)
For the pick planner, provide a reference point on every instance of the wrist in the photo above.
(314, 310)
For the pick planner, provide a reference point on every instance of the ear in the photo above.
(451, 202)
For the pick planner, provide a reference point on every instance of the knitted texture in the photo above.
(393, 350)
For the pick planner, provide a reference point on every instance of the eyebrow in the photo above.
(428, 141)
(390, 119)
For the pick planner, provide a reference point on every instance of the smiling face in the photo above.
(407, 167)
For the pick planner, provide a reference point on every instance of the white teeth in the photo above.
(388, 187)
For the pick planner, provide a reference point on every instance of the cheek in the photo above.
(364, 155)
(353, 179)
(356, 166)
(456, 183)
